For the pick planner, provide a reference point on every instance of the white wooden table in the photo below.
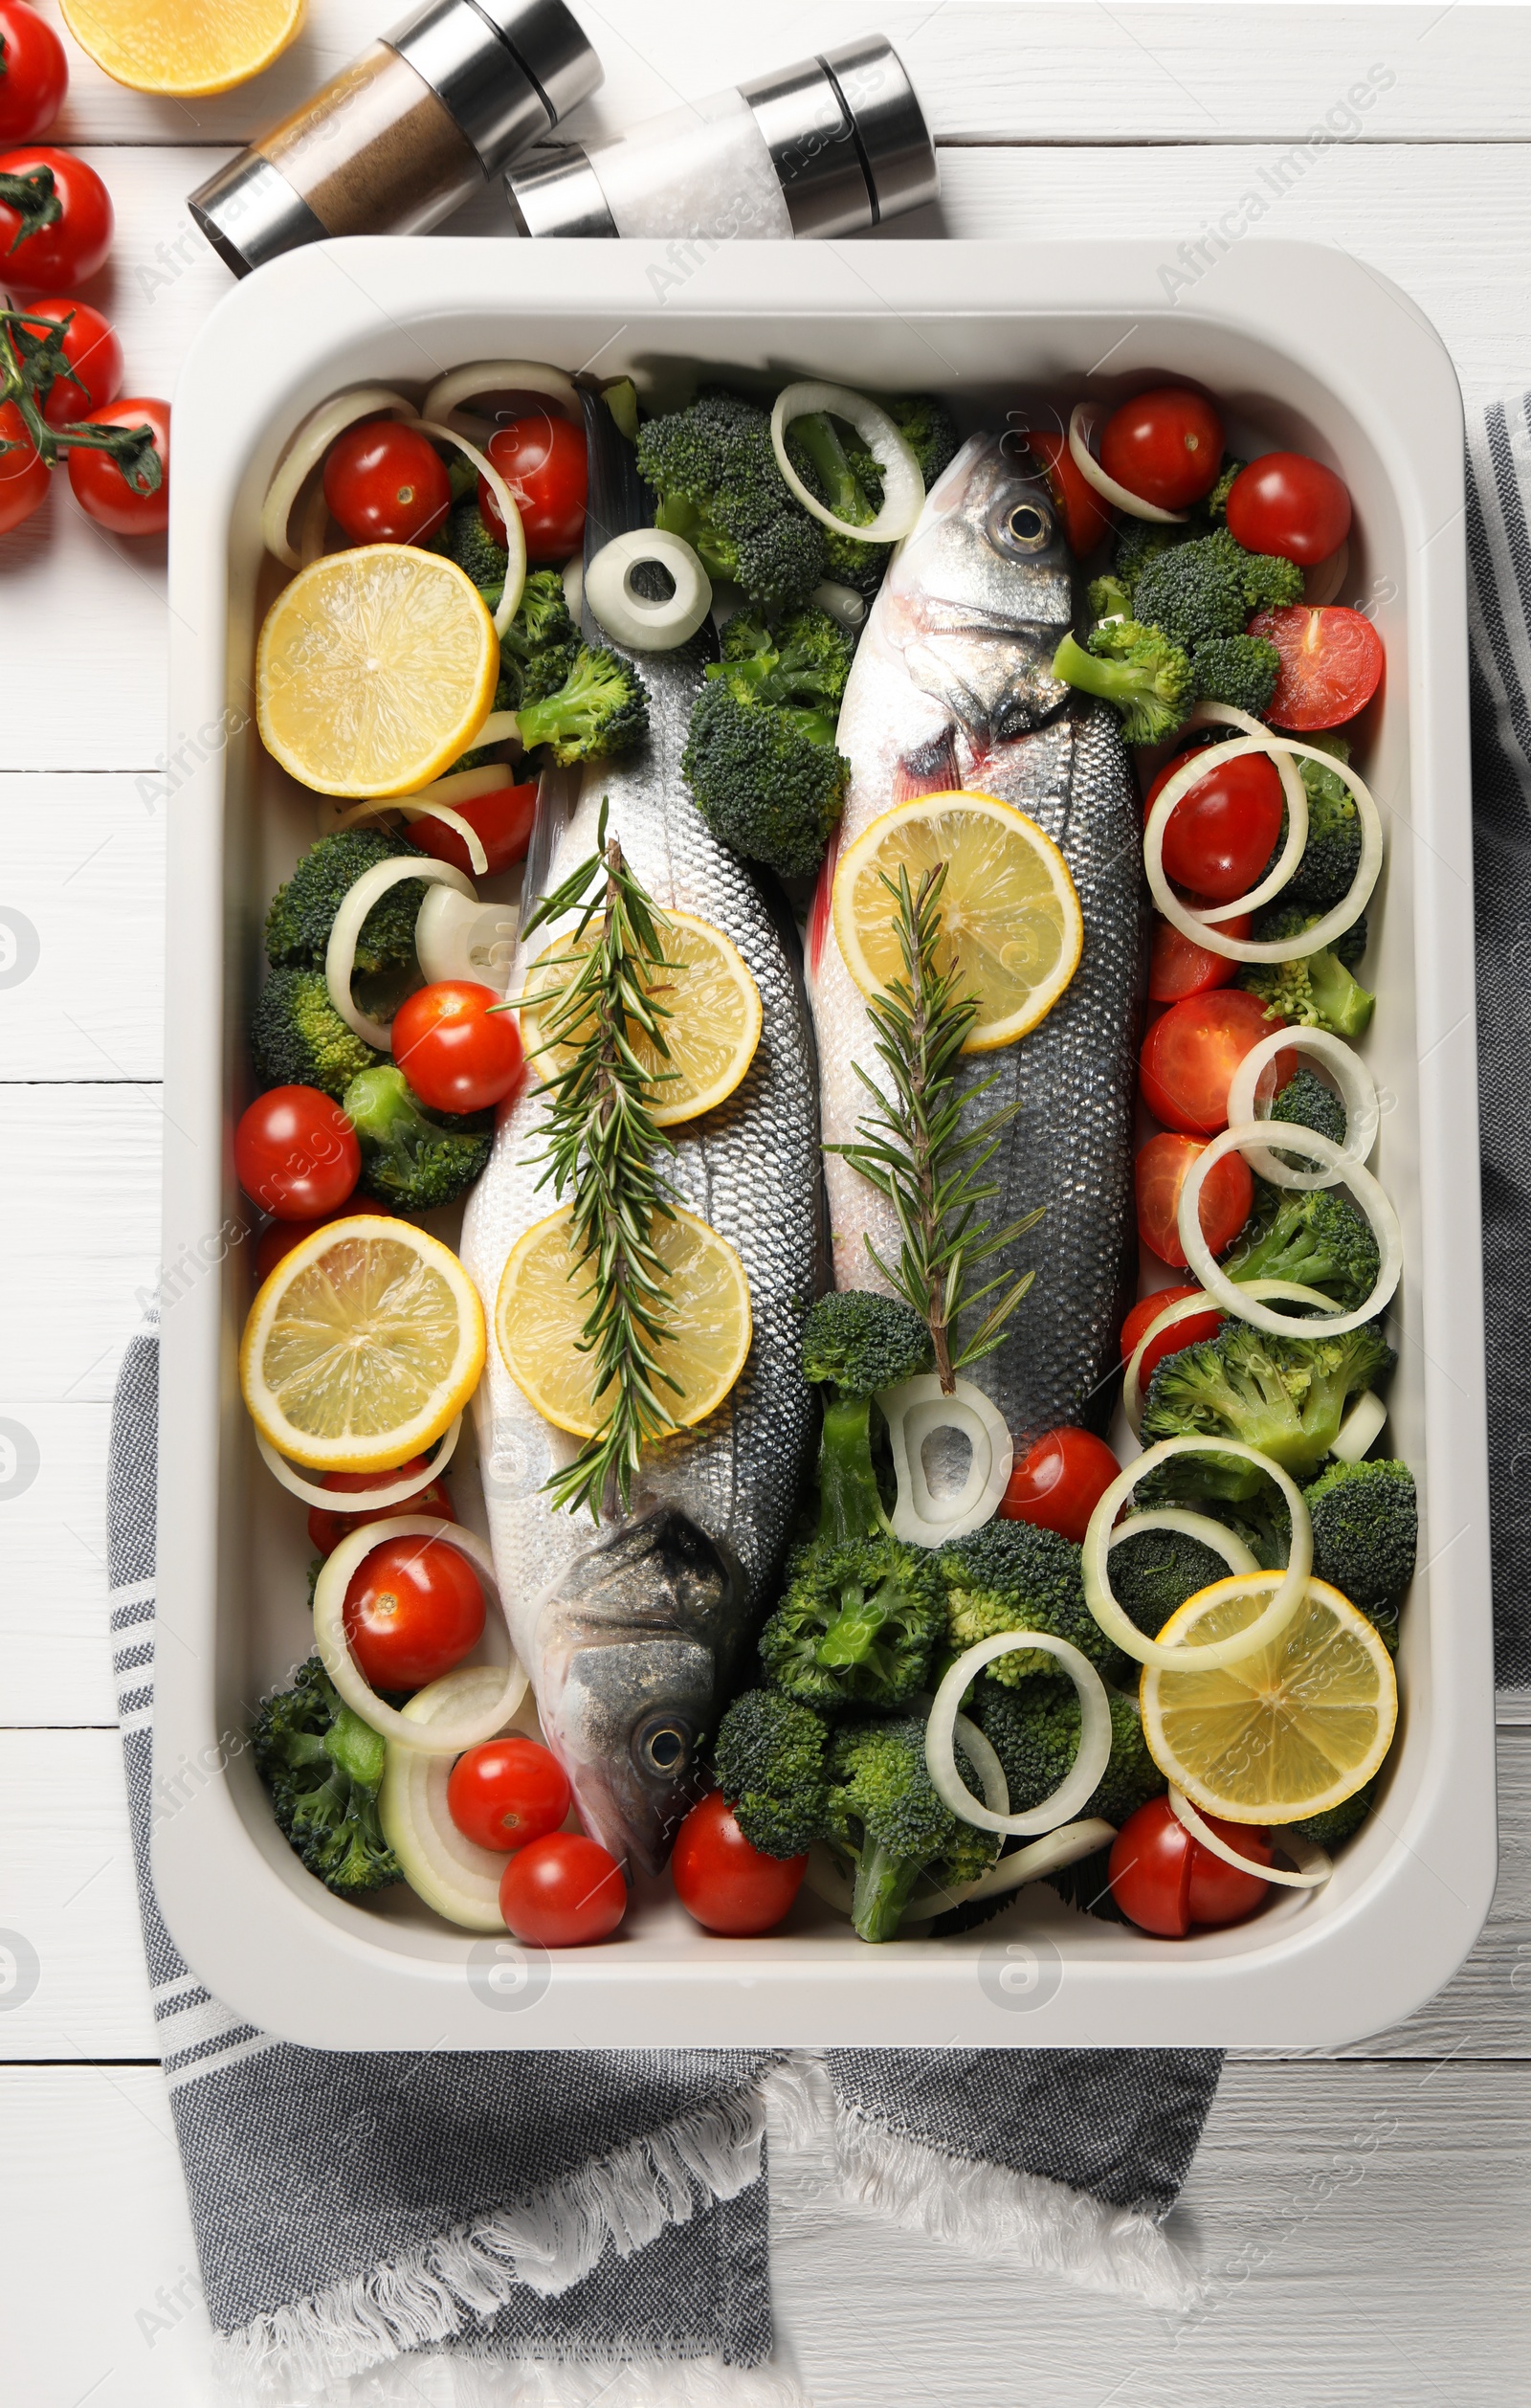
(1365, 2217)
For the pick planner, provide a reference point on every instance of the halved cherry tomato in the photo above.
(294, 1152)
(543, 460)
(1287, 503)
(1177, 967)
(459, 1048)
(22, 472)
(326, 1528)
(508, 1793)
(91, 348)
(279, 1237)
(1085, 514)
(124, 502)
(1228, 1193)
(1189, 1332)
(502, 820)
(414, 1608)
(1222, 832)
(57, 232)
(1165, 446)
(1332, 662)
(563, 1891)
(1165, 1881)
(727, 1884)
(34, 77)
(1191, 1051)
(1058, 1483)
(385, 483)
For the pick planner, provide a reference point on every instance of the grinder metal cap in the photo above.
(508, 70)
(847, 137)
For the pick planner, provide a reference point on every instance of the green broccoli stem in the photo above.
(1110, 681)
(825, 451)
(883, 1886)
(850, 1504)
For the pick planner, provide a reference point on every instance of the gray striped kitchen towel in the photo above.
(473, 2231)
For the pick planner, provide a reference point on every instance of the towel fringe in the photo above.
(449, 2380)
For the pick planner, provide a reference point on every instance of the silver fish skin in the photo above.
(952, 687)
(635, 1634)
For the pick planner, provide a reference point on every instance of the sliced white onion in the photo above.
(359, 1500)
(446, 1736)
(339, 954)
(1241, 1300)
(915, 1410)
(315, 524)
(1360, 1428)
(1218, 1653)
(1315, 1867)
(1200, 926)
(441, 1864)
(413, 807)
(1083, 1776)
(1065, 1845)
(502, 376)
(1081, 418)
(1221, 1540)
(307, 449)
(842, 603)
(1188, 1307)
(1325, 580)
(574, 574)
(633, 618)
(1358, 1093)
(514, 585)
(454, 938)
(500, 727)
(903, 487)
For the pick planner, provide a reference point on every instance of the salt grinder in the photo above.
(405, 133)
(829, 146)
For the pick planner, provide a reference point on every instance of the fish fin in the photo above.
(931, 768)
(822, 910)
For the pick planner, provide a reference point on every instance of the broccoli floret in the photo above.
(857, 1627)
(715, 471)
(1139, 541)
(322, 1767)
(410, 1157)
(302, 912)
(850, 486)
(768, 782)
(1327, 869)
(802, 662)
(1285, 1396)
(1317, 990)
(1149, 680)
(1215, 504)
(1108, 597)
(1035, 1732)
(769, 1761)
(542, 623)
(1307, 1102)
(1365, 1529)
(1238, 669)
(1271, 582)
(884, 1812)
(583, 700)
(930, 430)
(299, 1039)
(1210, 586)
(463, 537)
(1013, 1576)
(1341, 1822)
(1261, 1521)
(1314, 1236)
(855, 1343)
(1154, 1571)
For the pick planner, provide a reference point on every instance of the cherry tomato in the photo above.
(295, 1153)
(33, 74)
(326, 1528)
(1189, 1332)
(23, 474)
(1165, 446)
(1085, 514)
(1332, 662)
(1222, 832)
(1165, 1880)
(502, 820)
(727, 1884)
(563, 1890)
(414, 1608)
(91, 349)
(384, 484)
(542, 459)
(1191, 1051)
(1058, 1483)
(459, 1049)
(1228, 1193)
(1178, 968)
(1289, 505)
(57, 256)
(279, 1237)
(508, 1793)
(124, 504)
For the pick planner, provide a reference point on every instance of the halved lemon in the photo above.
(712, 1030)
(375, 669)
(364, 1344)
(1289, 1733)
(165, 46)
(545, 1295)
(1011, 917)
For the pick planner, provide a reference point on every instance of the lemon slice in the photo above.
(545, 1298)
(375, 669)
(1282, 1734)
(1010, 915)
(713, 1028)
(165, 46)
(364, 1344)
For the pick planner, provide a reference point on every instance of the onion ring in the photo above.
(501, 376)
(333, 1499)
(441, 1864)
(1227, 1292)
(1358, 1094)
(903, 486)
(1360, 1428)
(1066, 1845)
(573, 573)
(1274, 1291)
(840, 603)
(915, 1410)
(437, 1739)
(410, 807)
(339, 954)
(1083, 1776)
(1218, 1653)
(632, 618)
(1200, 1527)
(1091, 470)
(308, 447)
(1311, 1877)
(514, 585)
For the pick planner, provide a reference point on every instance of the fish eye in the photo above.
(662, 1746)
(1020, 526)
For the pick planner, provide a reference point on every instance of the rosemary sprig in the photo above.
(601, 1149)
(919, 1151)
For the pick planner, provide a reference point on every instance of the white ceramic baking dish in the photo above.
(1303, 344)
